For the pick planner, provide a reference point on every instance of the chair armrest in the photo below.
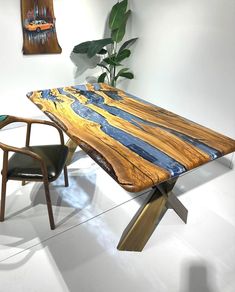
(8, 148)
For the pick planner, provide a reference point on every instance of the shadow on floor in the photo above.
(26, 220)
(198, 277)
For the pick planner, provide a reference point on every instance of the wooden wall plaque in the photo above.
(38, 23)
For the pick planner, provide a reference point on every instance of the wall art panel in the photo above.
(38, 22)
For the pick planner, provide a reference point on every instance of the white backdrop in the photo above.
(185, 58)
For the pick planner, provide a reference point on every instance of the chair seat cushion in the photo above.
(21, 166)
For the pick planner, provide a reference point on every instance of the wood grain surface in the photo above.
(139, 144)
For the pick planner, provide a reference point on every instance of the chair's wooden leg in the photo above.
(3, 198)
(66, 181)
(49, 206)
(4, 185)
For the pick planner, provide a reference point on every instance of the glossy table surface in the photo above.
(139, 144)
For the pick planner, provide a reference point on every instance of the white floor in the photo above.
(91, 214)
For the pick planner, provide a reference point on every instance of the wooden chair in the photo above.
(33, 163)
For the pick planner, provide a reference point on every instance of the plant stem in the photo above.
(113, 67)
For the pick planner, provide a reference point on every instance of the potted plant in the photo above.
(110, 53)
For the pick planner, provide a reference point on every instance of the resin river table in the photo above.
(140, 145)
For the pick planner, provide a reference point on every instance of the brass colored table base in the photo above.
(142, 225)
(72, 148)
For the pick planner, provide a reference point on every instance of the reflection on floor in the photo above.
(81, 254)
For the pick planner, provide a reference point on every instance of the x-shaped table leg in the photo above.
(72, 148)
(142, 225)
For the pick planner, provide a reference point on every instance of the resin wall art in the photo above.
(38, 22)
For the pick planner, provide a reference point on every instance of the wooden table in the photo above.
(140, 145)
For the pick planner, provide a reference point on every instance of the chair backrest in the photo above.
(7, 119)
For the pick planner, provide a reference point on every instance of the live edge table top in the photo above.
(139, 144)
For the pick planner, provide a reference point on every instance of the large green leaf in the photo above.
(102, 77)
(91, 48)
(123, 55)
(112, 61)
(118, 34)
(82, 48)
(103, 66)
(97, 45)
(127, 75)
(127, 44)
(120, 72)
(117, 13)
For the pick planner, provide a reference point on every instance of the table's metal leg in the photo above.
(142, 225)
(72, 148)
(173, 202)
(178, 207)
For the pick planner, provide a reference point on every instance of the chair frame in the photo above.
(7, 148)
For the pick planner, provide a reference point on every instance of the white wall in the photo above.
(76, 21)
(185, 58)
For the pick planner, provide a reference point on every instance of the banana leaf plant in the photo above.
(110, 51)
